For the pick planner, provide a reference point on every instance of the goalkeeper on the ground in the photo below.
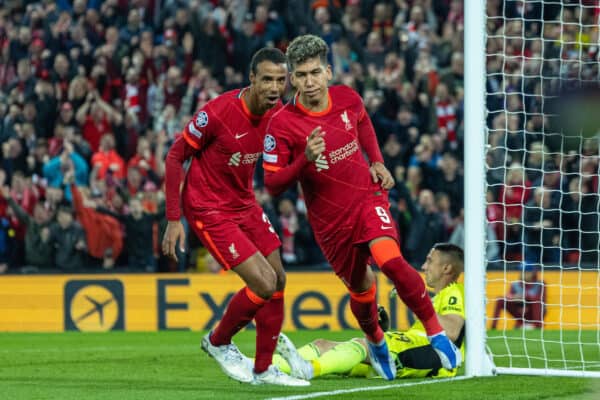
(415, 358)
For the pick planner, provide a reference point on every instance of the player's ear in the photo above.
(447, 268)
(251, 77)
(329, 72)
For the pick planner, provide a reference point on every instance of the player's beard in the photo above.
(314, 99)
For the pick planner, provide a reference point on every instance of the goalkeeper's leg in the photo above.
(328, 357)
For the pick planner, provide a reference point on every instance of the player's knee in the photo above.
(281, 281)
(267, 285)
(322, 345)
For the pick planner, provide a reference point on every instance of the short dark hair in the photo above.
(64, 207)
(454, 256)
(271, 54)
(304, 48)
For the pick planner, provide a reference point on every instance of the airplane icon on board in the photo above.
(96, 308)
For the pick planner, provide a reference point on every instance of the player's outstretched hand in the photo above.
(380, 173)
(315, 144)
(173, 234)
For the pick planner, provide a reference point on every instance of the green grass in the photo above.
(170, 365)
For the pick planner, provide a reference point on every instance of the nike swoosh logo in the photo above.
(241, 135)
(385, 227)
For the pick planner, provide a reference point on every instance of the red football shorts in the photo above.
(346, 248)
(232, 238)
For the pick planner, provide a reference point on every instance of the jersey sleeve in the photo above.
(367, 136)
(281, 170)
(451, 301)
(200, 129)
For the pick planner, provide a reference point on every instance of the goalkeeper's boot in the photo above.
(273, 376)
(232, 361)
(381, 359)
(300, 368)
(449, 354)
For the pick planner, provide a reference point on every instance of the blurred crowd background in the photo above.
(93, 93)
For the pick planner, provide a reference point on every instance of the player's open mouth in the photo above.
(272, 99)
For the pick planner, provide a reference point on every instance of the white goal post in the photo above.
(501, 144)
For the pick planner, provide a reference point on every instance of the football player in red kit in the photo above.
(319, 139)
(224, 141)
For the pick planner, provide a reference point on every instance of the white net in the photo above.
(543, 207)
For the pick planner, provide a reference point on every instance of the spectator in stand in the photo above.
(38, 249)
(68, 239)
(107, 161)
(542, 230)
(525, 301)
(96, 118)
(139, 230)
(451, 181)
(513, 195)
(427, 228)
(580, 222)
(103, 233)
(288, 219)
(55, 168)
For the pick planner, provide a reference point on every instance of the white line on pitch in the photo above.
(366, 389)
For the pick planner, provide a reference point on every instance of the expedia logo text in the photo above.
(94, 305)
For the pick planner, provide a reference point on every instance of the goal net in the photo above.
(541, 118)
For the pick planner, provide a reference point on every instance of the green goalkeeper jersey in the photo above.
(450, 300)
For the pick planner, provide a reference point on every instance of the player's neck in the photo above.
(442, 285)
(250, 99)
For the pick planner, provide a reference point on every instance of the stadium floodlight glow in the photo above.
(532, 73)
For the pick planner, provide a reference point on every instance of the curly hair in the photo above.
(306, 47)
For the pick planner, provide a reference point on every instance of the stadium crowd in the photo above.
(93, 93)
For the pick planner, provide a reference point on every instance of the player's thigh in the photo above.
(350, 263)
(376, 222)
(413, 352)
(223, 238)
(257, 227)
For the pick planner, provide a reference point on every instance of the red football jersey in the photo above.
(337, 184)
(228, 139)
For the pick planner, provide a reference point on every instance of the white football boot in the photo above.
(232, 361)
(300, 368)
(273, 376)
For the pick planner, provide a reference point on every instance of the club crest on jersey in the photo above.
(202, 119)
(233, 251)
(269, 143)
(346, 120)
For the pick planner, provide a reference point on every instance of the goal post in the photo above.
(532, 168)
(474, 175)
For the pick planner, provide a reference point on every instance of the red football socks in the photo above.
(364, 308)
(268, 326)
(241, 309)
(413, 293)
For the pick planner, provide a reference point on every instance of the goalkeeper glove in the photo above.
(384, 318)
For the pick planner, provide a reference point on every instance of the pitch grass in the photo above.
(170, 365)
